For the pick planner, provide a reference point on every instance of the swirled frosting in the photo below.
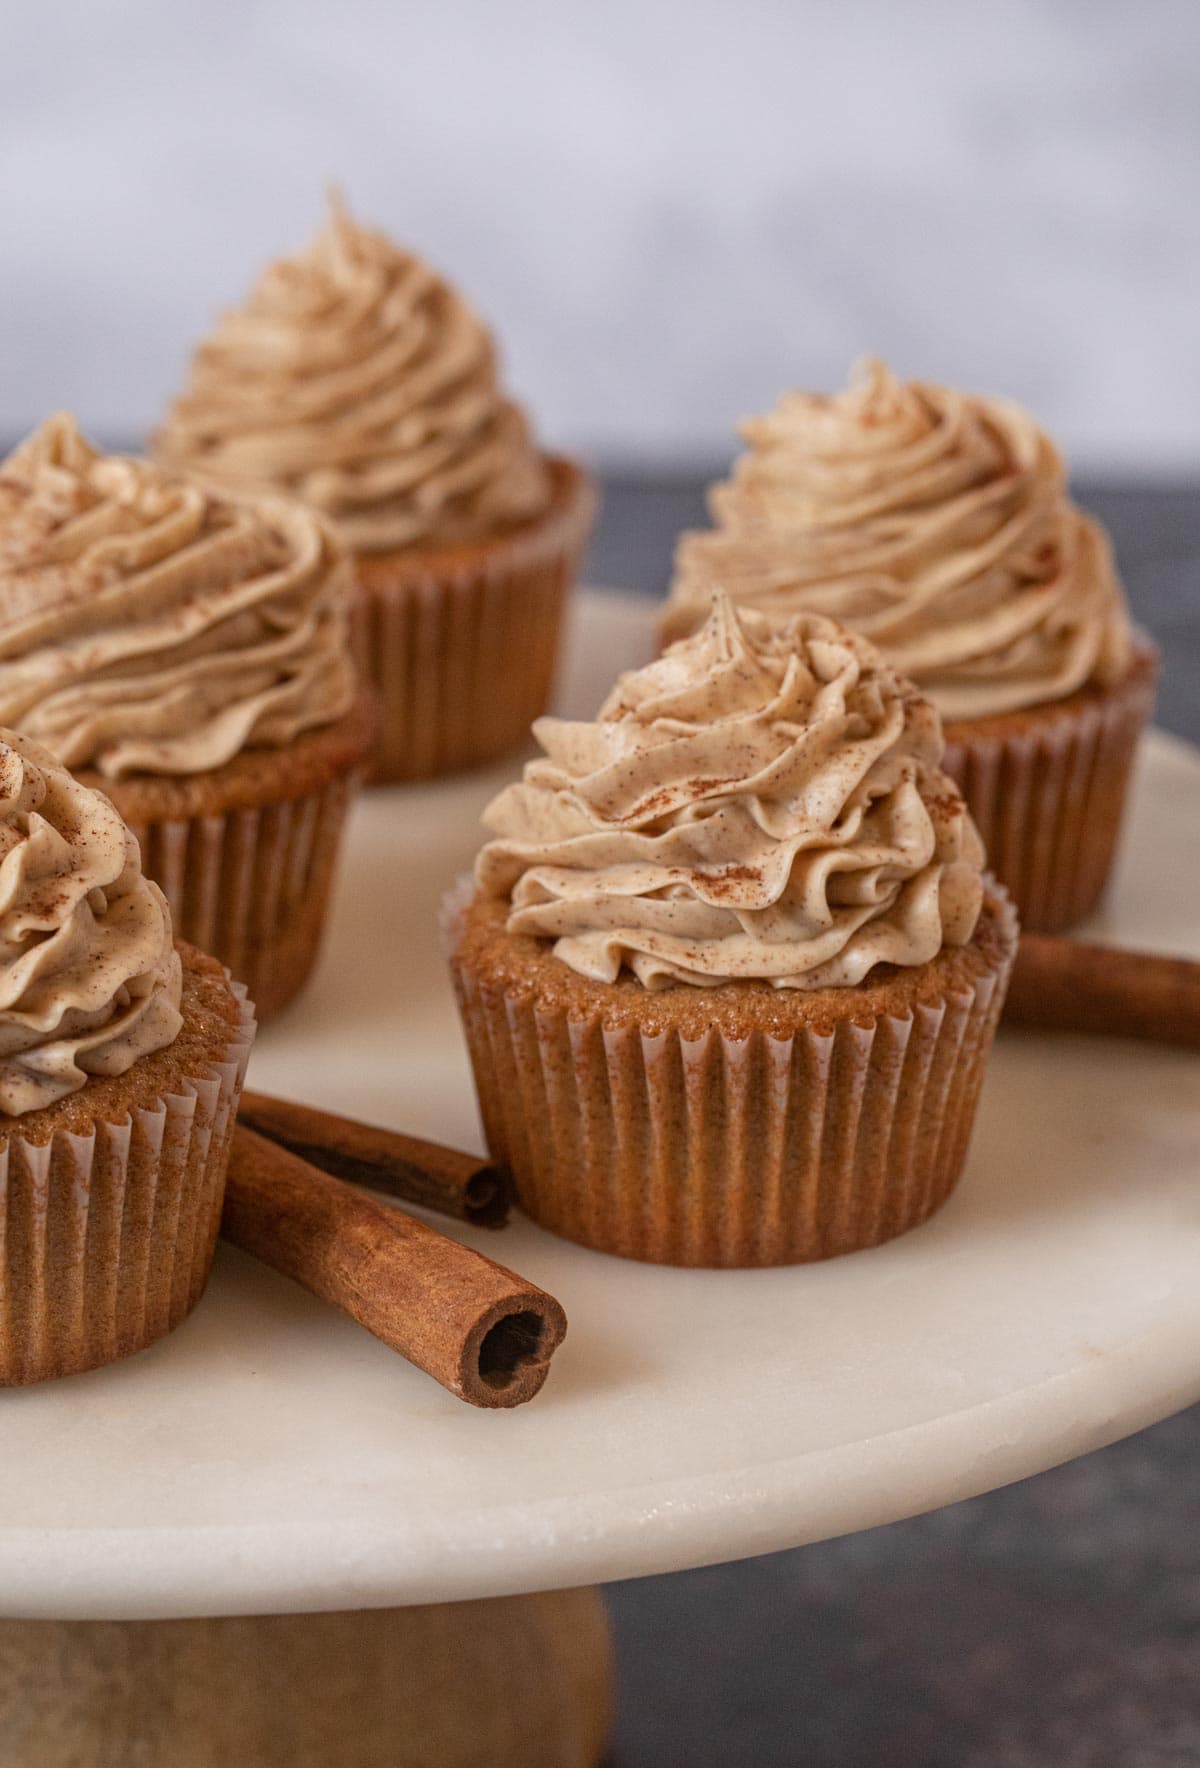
(89, 978)
(356, 378)
(763, 801)
(936, 523)
(148, 624)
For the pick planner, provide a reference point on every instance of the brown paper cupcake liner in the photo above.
(1047, 791)
(252, 886)
(246, 855)
(726, 1151)
(107, 1238)
(461, 644)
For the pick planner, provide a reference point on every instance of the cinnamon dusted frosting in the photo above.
(150, 625)
(763, 801)
(936, 523)
(89, 978)
(357, 379)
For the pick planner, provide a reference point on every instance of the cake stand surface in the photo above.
(270, 1456)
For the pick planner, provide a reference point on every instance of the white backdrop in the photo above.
(669, 208)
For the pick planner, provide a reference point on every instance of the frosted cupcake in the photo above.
(938, 524)
(729, 969)
(121, 1063)
(189, 653)
(356, 378)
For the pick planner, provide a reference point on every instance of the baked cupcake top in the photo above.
(148, 624)
(764, 801)
(89, 978)
(936, 523)
(357, 379)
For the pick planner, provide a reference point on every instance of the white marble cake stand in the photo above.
(271, 1461)
(271, 1457)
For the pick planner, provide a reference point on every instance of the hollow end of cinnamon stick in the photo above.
(408, 1167)
(484, 1332)
(487, 1195)
(509, 1353)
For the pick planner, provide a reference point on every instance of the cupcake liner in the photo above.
(252, 885)
(107, 1239)
(461, 645)
(1048, 795)
(724, 1151)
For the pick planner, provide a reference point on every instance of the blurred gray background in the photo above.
(669, 208)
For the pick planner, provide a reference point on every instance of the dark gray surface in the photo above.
(1052, 1625)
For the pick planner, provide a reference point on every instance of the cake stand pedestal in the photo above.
(516, 1682)
(271, 1459)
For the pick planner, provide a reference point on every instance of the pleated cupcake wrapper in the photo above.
(1048, 801)
(107, 1239)
(252, 886)
(463, 658)
(729, 1151)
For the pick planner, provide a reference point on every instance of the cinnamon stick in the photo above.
(425, 1173)
(1061, 984)
(486, 1334)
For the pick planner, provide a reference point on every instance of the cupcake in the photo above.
(938, 524)
(188, 652)
(729, 970)
(121, 1063)
(357, 379)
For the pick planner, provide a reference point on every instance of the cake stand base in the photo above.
(513, 1682)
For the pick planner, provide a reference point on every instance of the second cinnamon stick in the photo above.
(1063, 984)
(482, 1331)
(425, 1173)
